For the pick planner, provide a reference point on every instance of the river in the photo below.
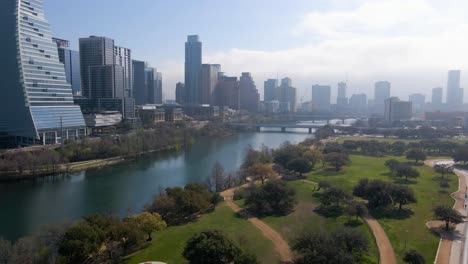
(125, 188)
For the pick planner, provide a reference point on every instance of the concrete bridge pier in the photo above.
(328, 121)
(283, 129)
(310, 130)
(259, 129)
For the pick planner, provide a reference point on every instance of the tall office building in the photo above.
(71, 61)
(193, 64)
(180, 93)
(270, 90)
(358, 103)
(396, 110)
(381, 93)
(208, 81)
(287, 95)
(454, 92)
(140, 91)
(227, 92)
(123, 58)
(153, 85)
(36, 103)
(418, 100)
(437, 96)
(341, 99)
(321, 98)
(106, 81)
(249, 96)
(94, 51)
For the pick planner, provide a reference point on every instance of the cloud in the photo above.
(411, 43)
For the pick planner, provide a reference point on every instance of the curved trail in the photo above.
(386, 253)
(281, 246)
(446, 246)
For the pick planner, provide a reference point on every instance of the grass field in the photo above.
(169, 244)
(411, 231)
(460, 140)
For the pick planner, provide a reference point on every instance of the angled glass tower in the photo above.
(36, 102)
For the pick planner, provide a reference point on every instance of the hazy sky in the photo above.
(411, 43)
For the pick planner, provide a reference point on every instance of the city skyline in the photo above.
(384, 49)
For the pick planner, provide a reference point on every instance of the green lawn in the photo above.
(460, 140)
(412, 230)
(169, 244)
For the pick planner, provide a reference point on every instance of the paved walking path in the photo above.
(281, 246)
(386, 253)
(453, 248)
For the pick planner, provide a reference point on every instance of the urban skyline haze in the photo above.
(412, 44)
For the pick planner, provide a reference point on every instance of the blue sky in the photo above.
(411, 43)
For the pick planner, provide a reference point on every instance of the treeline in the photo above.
(51, 161)
(100, 238)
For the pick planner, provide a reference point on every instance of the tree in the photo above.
(443, 169)
(324, 184)
(272, 198)
(324, 132)
(337, 160)
(341, 246)
(333, 196)
(413, 257)
(402, 195)
(80, 242)
(5, 251)
(300, 165)
(377, 192)
(448, 215)
(213, 247)
(314, 156)
(148, 223)
(253, 156)
(461, 155)
(407, 172)
(357, 209)
(416, 155)
(217, 175)
(392, 165)
(261, 171)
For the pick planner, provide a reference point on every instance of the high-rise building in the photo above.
(287, 95)
(193, 64)
(180, 93)
(321, 98)
(437, 97)
(270, 90)
(106, 81)
(153, 85)
(208, 81)
(227, 92)
(36, 105)
(140, 91)
(71, 61)
(341, 99)
(249, 96)
(358, 103)
(418, 100)
(454, 92)
(94, 51)
(381, 93)
(123, 58)
(396, 110)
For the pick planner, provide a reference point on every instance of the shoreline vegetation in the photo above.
(96, 153)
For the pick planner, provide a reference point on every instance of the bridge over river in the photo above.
(283, 127)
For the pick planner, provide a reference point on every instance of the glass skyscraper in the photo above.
(193, 63)
(36, 103)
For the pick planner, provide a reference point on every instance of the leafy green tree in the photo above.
(416, 155)
(392, 165)
(216, 198)
(443, 169)
(398, 147)
(214, 247)
(402, 195)
(337, 160)
(148, 223)
(407, 172)
(461, 155)
(80, 242)
(448, 215)
(300, 165)
(324, 132)
(262, 172)
(324, 184)
(314, 156)
(357, 209)
(413, 257)
(273, 198)
(333, 196)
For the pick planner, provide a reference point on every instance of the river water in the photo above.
(125, 188)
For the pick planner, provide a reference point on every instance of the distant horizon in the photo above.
(412, 45)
